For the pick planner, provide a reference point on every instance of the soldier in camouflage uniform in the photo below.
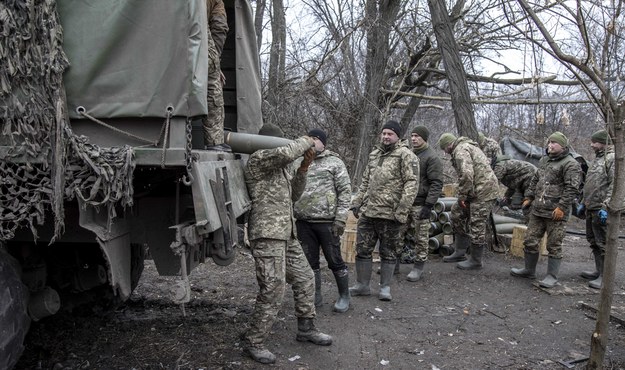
(489, 146)
(384, 200)
(430, 188)
(551, 194)
(274, 184)
(217, 32)
(321, 213)
(597, 191)
(516, 175)
(477, 191)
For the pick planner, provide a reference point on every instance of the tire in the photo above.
(14, 320)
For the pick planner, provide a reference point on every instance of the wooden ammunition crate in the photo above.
(518, 235)
(450, 190)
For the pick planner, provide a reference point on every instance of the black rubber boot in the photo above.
(307, 332)
(318, 297)
(386, 275)
(395, 272)
(596, 284)
(363, 277)
(531, 260)
(461, 244)
(417, 271)
(592, 275)
(342, 283)
(553, 267)
(475, 259)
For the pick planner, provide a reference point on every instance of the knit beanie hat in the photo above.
(269, 129)
(600, 136)
(319, 134)
(559, 138)
(422, 131)
(446, 139)
(393, 126)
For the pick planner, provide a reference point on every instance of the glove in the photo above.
(338, 227)
(309, 157)
(581, 209)
(425, 212)
(526, 203)
(603, 216)
(355, 211)
(557, 214)
(463, 204)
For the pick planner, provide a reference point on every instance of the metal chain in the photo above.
(188, 178)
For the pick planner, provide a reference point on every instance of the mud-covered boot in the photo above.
(307, 332)
(475, 259)
(260, 354)
(416, 272)
(596, 284)
(363, 277)
(342, 283)
(386, 275)
(318, 297)
(461, 244)
(592, 275)
(531, 260)
(553, 267)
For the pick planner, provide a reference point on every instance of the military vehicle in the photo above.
(101, 152)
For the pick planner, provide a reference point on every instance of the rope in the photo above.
(81, 110)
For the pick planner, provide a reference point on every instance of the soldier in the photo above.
(384, 200)
(489, 146)
(477, 191)
(516, 175)
(551, 194)
(217, 32)
(273, 185)
(430, 187)
(321, 213)
(597, 191)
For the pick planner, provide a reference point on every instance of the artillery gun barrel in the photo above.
(249, 143)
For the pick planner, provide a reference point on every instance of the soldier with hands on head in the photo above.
(321, 213)
(274, 183)
(214, 121)
(430, 188)
(515, 175)
(384, 200)
(552, 191)
(597, 192)
(477, 190)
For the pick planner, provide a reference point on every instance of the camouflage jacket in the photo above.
(490, 147)
(555, 184)
(389, 183)
(328, 190)
(476, 180)
(273, 185)
(430, 176)
(599, 180)
(515, 174)
(217, 23)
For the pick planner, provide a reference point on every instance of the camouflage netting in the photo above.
(36, 174)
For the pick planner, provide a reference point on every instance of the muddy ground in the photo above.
(450, 320)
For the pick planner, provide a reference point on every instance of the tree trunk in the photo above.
(380, 19)
(258, 21)
(599, 338)
(458, 87)
(276, 76)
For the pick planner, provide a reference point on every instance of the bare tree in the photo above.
(594, 59)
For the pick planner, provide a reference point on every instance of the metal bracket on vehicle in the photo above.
(224, 240)
(181, 292)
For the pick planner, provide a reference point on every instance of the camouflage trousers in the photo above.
(371, 230)
(214, 122)
(279, 262)
(417, 237)
(595, 232)
(536, 229)
(472, 221)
